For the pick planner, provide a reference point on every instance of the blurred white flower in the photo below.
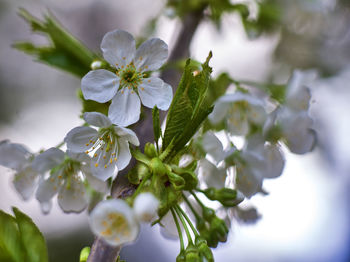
(18, 158)
(65, 178)
(239, 111)
(211, 174)
(114, 221)
(146, 206)
(128, 85)
(109, 145)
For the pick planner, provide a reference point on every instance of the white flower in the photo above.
(239, 111)
(258, 161)
(18, 158)
(64, 178)
(168, 227)
(114, 221)
(109, 145)
(128, 84)
(212, 175)
(146, 206)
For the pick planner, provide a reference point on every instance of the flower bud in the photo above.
(145, 206)
(157, 167)
(150, 150)
(208, 214)
(203, 249)
(226, 196)
(219, 228)
(192, 254)
(177, 181)
(181, 257)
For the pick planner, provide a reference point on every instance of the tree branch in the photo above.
(101, 251)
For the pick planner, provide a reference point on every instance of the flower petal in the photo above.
(13, 155)
(151, 55)
(97, 119)
(25, 182)
(80, 138)
(274, 161)
(99, 85)
(114, 221)
(124, 155)
(125, 108)
(213, 176)
(72, 195)
(153, 91)
(213, 146)
(100, 166)
(219, 112)
(47, 160)
(257, 114)
(248, 181)
(94, 182)
(47, 189)
(127, 134)
(145, 206)
(118, 47)
(237, 124)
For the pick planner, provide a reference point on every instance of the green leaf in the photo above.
(188, 109)
(64, 51)
(20, 239)
(31, 237)
(10, 242)
(156, 124)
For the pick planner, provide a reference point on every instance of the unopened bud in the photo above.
(157, 167)
(150, 150)
(192, 254)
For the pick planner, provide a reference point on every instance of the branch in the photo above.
(101, 251)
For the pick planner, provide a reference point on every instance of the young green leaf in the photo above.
(31, 237)
(156, 124)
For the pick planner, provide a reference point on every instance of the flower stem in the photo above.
(182, 245)
(191, 207)
(194, 230)
(189, 238)
(197, 199)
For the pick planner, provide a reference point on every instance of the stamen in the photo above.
(96, 165)
(105, 166)
(142, 89)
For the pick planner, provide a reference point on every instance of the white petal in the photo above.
(101, 167)
(79, 138)
(257, 114)
(219, 112)
(237, 123)
(47, 160)
(153, 91)
(212, 145)
(99, 85)
(274, 161)
(145, 207)
(72, 195)
(127, 134)
(213, 176)
(114, 221)
(151, 55)
(47, 189)
(299, 100)
(169, 230)
(13, 155)
(118, 47)
(124, 155)
(97, 119)
(80, 157)
(94, 182)
(25, 182)
(125, 108)
(248, 181)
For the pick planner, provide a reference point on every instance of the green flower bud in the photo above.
(192, 254)
(157, 167)
(226, 196)
(181, 257)
(150, 150)
(208, 214)
(219, 228)
(203, 249)
(177, 181)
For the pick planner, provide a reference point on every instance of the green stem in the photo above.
(189, 238)
(188, 220)
(197, 199)
(182, 245)
(60, 144)
(137, 191)
(191, 207)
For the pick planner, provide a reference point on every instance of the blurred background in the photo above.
(306, 215)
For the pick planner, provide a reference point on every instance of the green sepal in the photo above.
(150, 150)
(192, 254)
(190, 178)
(156, 124)
(137, 173)
(177, 181)
(84, 254)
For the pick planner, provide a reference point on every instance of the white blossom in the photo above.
(109, 145)
(239, 111)
(129, 84)
(18, 158)
(63, 175)
(146, 206)
(114, 220)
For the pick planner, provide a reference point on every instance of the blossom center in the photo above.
(130, 77)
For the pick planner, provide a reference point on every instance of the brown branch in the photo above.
(100, 250)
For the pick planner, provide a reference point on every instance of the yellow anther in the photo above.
(95, 155)
(117, 64)
(122, 92)
(142, 89)
(132, 92)
(90, 141)
(59, 177)
(55, 188)
(140, 57)
(93, 147)
(86, 152)
(104, 157)
(105, 166)
(146, 67)
(149, 81)
(87, 144)
(122, 66)
(115, 159)
(129, 87)
(111, 161)
(124, 57)
(96, 165)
